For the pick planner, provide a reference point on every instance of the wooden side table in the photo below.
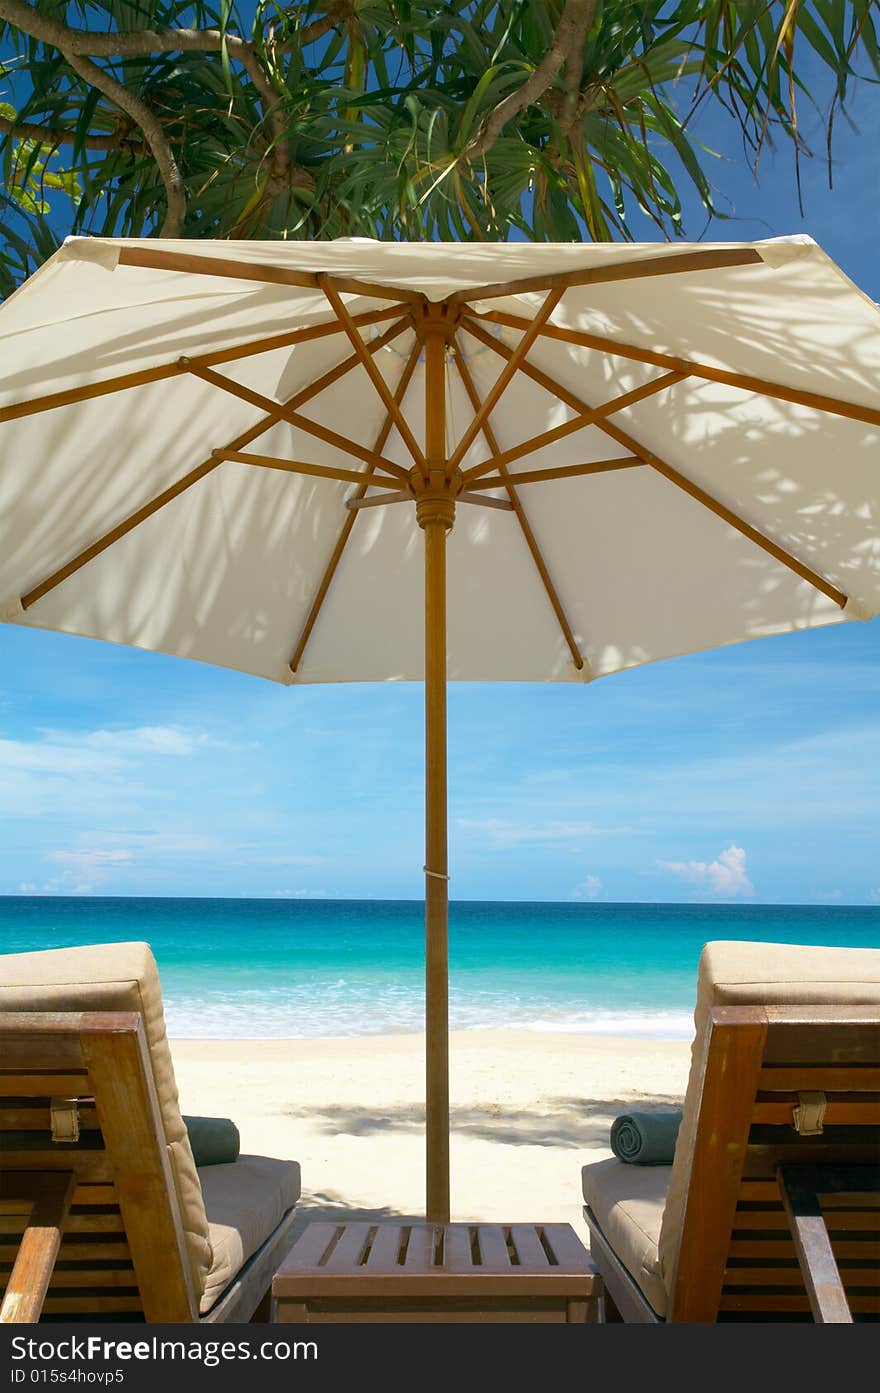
(437, 1272)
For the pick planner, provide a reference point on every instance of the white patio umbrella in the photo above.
(232, 451)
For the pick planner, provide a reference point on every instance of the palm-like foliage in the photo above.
(389, 118)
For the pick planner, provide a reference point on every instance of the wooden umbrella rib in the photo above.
(617, 271)
(628, 442)
(294, 418)
(818, 401)
(587, 418)
(375, 376)
(355, 504)
(15, 410)
(35, 405)
(350, 285)
(482, 501)
(564, 471)
(525, 527)
(160, 259)
(317, 471)
(346, 529)
(505, 377)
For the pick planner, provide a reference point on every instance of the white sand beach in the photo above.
(528, 1110)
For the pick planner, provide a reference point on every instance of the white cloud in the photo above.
(56, 770)
(138, 740)
(245, 859)
(82, 870)
(95, 751)
(589, 889)
(45, 756)
(90, 859)
(170, 840)
(724, 876)
(157, 740)
(502, 833)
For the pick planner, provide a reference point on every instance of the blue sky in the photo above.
(746, 774)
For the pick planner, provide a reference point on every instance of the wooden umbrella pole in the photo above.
(436, 883)
(435, 511)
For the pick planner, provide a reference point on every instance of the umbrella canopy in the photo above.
(232, 452)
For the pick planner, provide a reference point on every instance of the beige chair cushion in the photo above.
(628, 1203)
(118, 977)
(244, 1201)
(757, 974)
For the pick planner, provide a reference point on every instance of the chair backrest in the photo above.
(119, 977)
(771, 1078)
(88, 1078)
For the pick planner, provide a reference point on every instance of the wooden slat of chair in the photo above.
(782, 1304)
(791, 1275)
(761, 1190)
(93, 1277)
(43, 1084)
(829, 1078)
(90, 1165)
(818, 1035)
(29, 1115)
(109, 1222)
(840, 1111)
(777, 1245)
(838, 1220)
(76, 1252)
(28, 1050)
(94, 1303)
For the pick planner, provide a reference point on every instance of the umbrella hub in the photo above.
(434, 485)
(435, 492)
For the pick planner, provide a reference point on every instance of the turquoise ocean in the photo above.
(285, 968)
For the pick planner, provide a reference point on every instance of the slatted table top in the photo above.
(362, 1259)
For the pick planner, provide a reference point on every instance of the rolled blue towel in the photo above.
(645, 1138)
(214, 1140)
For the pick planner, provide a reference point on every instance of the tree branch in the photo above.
(344, 9)
(40, 26)
(574, 69)
(154, 135)
(138, 44)
(84, 45)
(575, 14)
(272, 110)
(53, 135)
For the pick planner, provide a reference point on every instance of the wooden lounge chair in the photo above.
(103, 1212)
(770, 1210)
